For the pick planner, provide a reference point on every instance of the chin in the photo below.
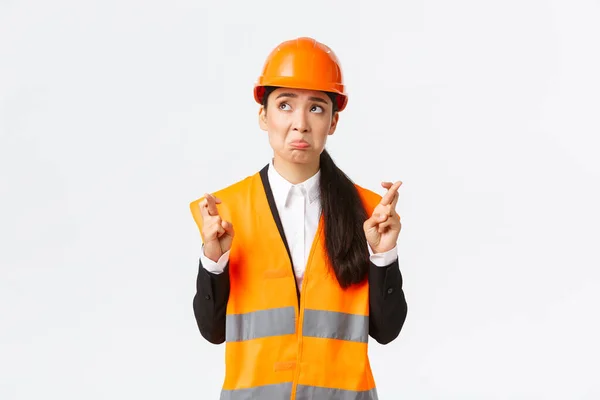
(302, 158)
(299, 159)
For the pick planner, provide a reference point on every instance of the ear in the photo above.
(262, 118)
(334, 122)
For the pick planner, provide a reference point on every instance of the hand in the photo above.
(217, 234)
(383, 228)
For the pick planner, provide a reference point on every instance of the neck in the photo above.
(293, 172)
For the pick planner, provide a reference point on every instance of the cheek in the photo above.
(321, 129)
(278, 126)
(277, 132)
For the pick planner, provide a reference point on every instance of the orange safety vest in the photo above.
(279, 345)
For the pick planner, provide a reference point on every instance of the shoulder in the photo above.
(369, 198)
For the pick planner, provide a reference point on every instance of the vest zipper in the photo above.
(300, 337)
(301, 307)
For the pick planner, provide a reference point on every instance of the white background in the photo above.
(114, 115)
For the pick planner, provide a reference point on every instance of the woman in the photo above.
(299, 265)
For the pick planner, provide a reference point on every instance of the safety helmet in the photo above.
(303, 63)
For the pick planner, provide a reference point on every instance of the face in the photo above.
(298, 122)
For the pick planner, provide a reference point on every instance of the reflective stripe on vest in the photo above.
(312, 392)
(281, 321)
(259, 324)
(336, 325)
(271, 392)
(283, 391)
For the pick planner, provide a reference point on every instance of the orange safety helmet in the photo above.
(303, 63)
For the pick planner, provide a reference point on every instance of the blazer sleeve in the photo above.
(387, 304)
(210, 303)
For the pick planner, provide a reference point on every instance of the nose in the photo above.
(300, 122)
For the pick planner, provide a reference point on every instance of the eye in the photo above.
(317, 109)
(283, 106)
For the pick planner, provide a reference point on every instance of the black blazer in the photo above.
(387, 304)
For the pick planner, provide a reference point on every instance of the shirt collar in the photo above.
(282, 188)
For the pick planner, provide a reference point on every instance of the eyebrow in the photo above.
(293, 95)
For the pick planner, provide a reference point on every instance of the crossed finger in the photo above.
(395, 201)
(208, 206)
(392, 194)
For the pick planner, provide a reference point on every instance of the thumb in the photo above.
(228, 226)
(375, 220)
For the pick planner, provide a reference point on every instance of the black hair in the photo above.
(344, 216)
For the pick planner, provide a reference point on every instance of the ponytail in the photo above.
(344, 216)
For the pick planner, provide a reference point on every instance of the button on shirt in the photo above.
(299, 208)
